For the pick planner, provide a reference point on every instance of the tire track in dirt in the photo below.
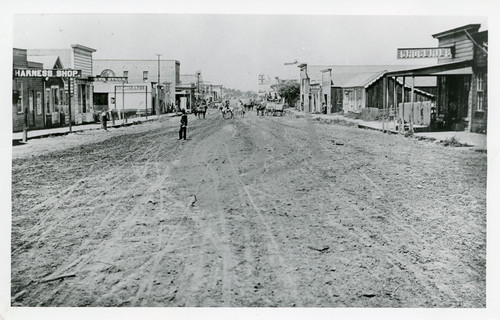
(220, 241)
(58, 200)
(276, 259)
(395, 260)
(87, 244)
(196, 276)
(401, 225)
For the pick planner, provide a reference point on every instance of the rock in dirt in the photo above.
(320, 249)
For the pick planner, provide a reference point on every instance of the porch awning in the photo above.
(452, 68)
(467, 70)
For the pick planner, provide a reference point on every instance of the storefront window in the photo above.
(47, 101)
(31, 98)
(54, 99)
(83, 94)
(480, 91)
(480, 80)
(480, 100)
(20, 102)
(38, 103)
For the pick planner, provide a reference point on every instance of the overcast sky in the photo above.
(234, 49)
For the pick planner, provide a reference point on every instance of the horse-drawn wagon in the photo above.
(275, 108)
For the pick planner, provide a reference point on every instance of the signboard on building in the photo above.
(422, 53)
(131, 88)
(110, 79)
(47, 73)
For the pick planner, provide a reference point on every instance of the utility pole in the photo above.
(158, 87)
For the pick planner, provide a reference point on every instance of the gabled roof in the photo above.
(63, 54)
(367, 79)
(363, 79)
(472, 28)
(49, 61)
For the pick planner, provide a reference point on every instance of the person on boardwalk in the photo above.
(184, 123)
(104, 120)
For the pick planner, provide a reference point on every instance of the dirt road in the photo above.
(248, 212)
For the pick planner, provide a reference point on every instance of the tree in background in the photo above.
(290, 90)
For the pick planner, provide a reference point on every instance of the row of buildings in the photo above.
(53, 87)
(448, 95)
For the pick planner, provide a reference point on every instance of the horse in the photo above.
(261, 108)
(200, 110)
(226, 110)
(239, 110)
(249, 106)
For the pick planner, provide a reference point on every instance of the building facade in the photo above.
(55, 98)
(27, 95)
(462, 73)
(140, 73)
(79, 57)
(349, 88)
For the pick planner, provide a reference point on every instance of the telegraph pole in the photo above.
(158, 88)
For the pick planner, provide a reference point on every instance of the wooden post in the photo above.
(384, 101)
(146, 102)
(395, 101)
(403, 104)
(25, 108)
(412, 102)
(386, 94)
(123, 103)
(44, 115)
(69, 103)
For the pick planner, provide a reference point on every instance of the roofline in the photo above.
(410, 72)
(375, 78)
(155, 60)
(455, 30)
(79, 46)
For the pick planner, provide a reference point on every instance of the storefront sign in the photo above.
(131, 88)
(110, 79)
(44, 73)
(420, 53)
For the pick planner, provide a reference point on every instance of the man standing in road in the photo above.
(184, 123)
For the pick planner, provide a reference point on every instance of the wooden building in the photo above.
(144, 72)
(27, 95)
(78, 57)
(55, 101)
(349, 88)
(365, 92)
(461, 102)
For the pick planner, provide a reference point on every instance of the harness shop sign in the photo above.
(419, 53)
(44, 73)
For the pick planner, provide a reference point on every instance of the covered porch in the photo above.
(452, 110)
